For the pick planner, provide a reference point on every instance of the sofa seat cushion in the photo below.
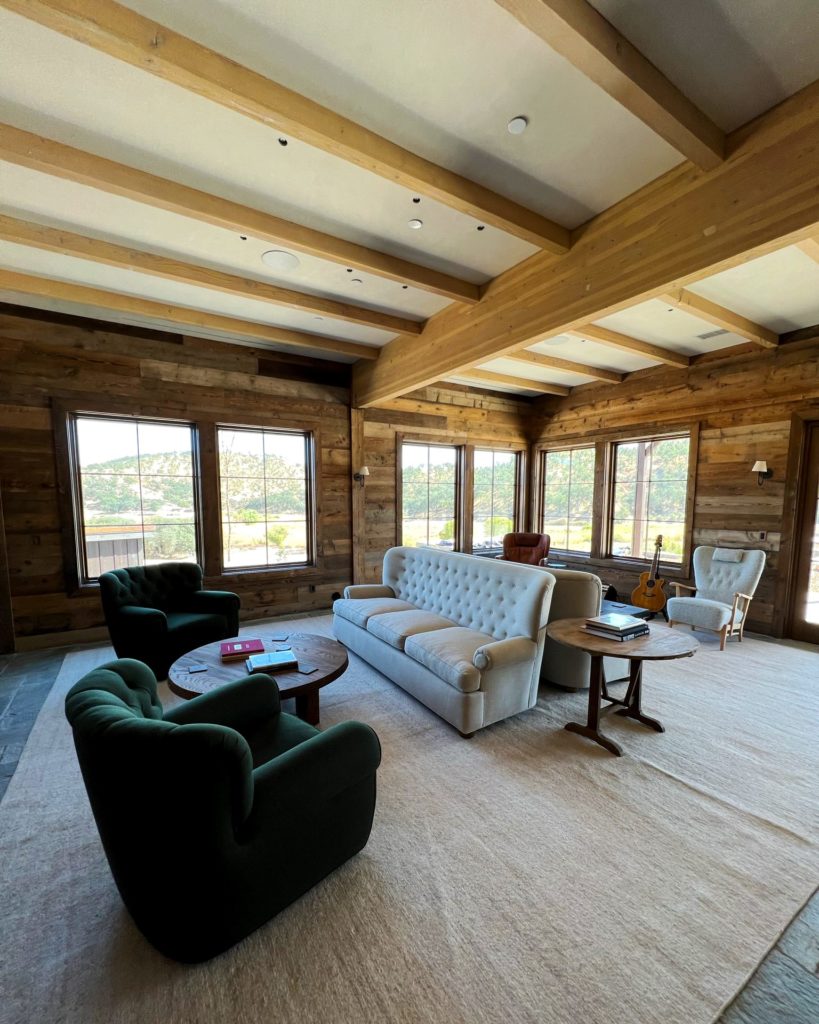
(359, 611)
(188, 630)
(448, 653)
(394, 627)
(702, 612)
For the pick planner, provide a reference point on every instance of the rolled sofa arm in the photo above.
(361, 591)
(511, 651)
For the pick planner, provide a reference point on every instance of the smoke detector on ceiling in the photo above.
(278, 259)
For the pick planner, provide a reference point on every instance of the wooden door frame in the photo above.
(795, 483)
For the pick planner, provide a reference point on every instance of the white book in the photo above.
(614, 622)
(271, 659)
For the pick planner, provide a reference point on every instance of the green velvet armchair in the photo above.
(243, 807)
(157, 613)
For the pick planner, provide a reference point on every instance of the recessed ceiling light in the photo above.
(415, 224)
(280, 260)
(318, 317)
(416, 199)
(481, 227)
(356, 280)
(518, 125)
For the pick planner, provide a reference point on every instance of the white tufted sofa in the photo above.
(462, 634)
(726, 579)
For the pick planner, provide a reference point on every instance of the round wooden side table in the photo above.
(661, 644)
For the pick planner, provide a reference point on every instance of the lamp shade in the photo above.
(760, 466)
(364, 471)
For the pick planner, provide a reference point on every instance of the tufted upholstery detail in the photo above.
(496, 598)
(253, 805)
(463, 634)
(157, 613)
(527, 548)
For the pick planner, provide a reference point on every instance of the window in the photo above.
(429, 495)
(650, 497)
(135, 493)
(264, 478)
(494, 497)
(568, 498)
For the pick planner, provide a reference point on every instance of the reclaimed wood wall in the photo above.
(452, 415)
(744, 406)
(163, 375)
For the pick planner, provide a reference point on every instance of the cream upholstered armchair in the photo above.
(726, 579)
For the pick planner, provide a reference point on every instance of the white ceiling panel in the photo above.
(443, 80)
(486, 385)
(26, 260)
(593, 353)
(656, 322)
(541, 373)
(733, 58)
(73, 94)
(779, 291)
(30, 195)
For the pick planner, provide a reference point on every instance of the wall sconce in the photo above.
(361, 475)
(762, 471)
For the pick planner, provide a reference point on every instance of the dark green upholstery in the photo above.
(157, 613)
(237, 807)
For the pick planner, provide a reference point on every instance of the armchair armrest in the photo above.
(239, 705)
(143, 619)
(682, 586)
(511, 651)
(745, 597)
(360, 591)
(219, 601)
(316, 770)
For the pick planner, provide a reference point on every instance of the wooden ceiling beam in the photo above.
(60, 161)
(30, 286)
(681, 228)
(490, 377)
(523, 355)
(580, 34)
(624, 342)
(810, 247)
(121, 33)
(67, 243)
(704, 309)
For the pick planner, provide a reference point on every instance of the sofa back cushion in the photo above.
(499, 598)
(719, 580)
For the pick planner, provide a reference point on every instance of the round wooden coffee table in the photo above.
(327, 658)
(661, 644)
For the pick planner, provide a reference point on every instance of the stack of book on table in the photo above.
(617, 627)
(238, 650)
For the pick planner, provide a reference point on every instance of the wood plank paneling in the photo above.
(50, 358)
(743, 404)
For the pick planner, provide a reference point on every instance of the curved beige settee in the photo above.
(462, 634)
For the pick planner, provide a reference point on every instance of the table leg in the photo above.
(634, 693)
(307, 707)
(592, 728)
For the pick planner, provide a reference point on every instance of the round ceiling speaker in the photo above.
(278, 259)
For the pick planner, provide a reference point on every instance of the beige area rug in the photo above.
(522, 876)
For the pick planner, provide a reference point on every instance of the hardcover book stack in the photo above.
(617, 627)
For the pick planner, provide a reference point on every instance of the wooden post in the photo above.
(359, 497)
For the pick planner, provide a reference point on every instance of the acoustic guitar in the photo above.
(649, 592)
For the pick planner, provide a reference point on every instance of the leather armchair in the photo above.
(527, 548)
(157, 613)
(245, 808)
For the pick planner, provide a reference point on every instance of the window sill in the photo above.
(636, 565)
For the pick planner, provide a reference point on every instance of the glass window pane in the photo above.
(136, 478)
(568, 498)
(264, 487)
(494, 498)
(428, 495)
